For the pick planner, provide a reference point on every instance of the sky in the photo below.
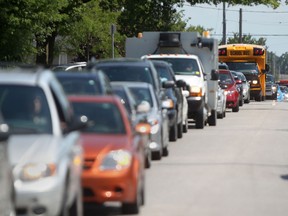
(258, 21)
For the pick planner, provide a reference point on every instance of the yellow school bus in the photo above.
(249, 59)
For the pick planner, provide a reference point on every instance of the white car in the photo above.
(44, 149)
(221, 103)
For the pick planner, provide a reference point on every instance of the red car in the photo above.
(114, 156)
(228, 83)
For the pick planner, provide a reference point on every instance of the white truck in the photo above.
(193, 58)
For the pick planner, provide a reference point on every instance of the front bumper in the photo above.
(109, 186)
(46, 194)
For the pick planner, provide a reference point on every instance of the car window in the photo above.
(182, 66)
(142, 94)
(128, 73)
(225, 78)
(79, 86)
(25, 109)
(164, 73)
(104, 118)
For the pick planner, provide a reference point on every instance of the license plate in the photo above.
(239, 52)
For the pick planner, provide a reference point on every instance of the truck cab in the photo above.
(183, 50)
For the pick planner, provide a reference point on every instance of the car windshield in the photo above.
(79, 86)
(225, 78)
(243, 66)
(270, 78)
(142, 94)
(128, 73)
(104, 118)
(182, 66)
(25, 109)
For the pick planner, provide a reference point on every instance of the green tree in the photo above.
(246, 39)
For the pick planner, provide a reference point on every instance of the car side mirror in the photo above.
(168, 84)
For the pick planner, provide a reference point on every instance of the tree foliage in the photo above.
(246, 39)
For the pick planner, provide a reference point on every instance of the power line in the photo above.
(234, 10)
(257, 35)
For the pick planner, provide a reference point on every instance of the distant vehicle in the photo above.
(85, 83)
(245, 86)
(157, 117)
(271, 87)
(71, 67)
(228, 83)
(7, 194)
(113, 153)
(166, 73)
(249, 59)
(240, 87)
(221, 105)
(44, 149)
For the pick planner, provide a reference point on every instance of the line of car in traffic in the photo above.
(87, 135)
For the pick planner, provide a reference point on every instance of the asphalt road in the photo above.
(238, 168)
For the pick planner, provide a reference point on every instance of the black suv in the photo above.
(174, 93)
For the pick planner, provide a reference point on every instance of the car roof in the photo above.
(118, 62)
(97, 98)
(77, 74)
(131, 84)
(25, 76)
(188, 56)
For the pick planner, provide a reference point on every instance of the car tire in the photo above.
(148, 160)
(185, 126)
(134, 207)
(236, 108)
(165, 151)
(173, 133)
(180, 130)
(241, 101)
(200, 119)
(212, 119)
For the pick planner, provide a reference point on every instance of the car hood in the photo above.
(33, 148)
(190, 79)
(93, 144)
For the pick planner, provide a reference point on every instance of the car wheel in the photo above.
(236, 108)
(241, 101)
(180, 130)
(199, 119)
(165, 151)
(212, 119)
(148, 159)
(173, 133)
(185, 126)
(134, 207)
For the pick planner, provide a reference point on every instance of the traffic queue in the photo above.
(87, 136)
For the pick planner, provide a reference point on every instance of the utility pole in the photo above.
(224, 25)
(112, 31)
(240, 25)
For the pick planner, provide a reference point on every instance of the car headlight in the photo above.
(195, 91)
(32, 172)
(154, 125)
(274, 88)
(116, 160)
(229, 92)
(168, 104)
(254, 82)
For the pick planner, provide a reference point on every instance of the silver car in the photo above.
(157, 117)
(7, 194)
(44, 150)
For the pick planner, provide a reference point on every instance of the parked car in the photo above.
(113, 153)
(135, 70)
(136, 113)
(221, 103)
(239, 86)
(7, 194)
(157, 117)
(228, 83)
(174, 93)
(72, 67)
(44, 148)
(85, 83)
